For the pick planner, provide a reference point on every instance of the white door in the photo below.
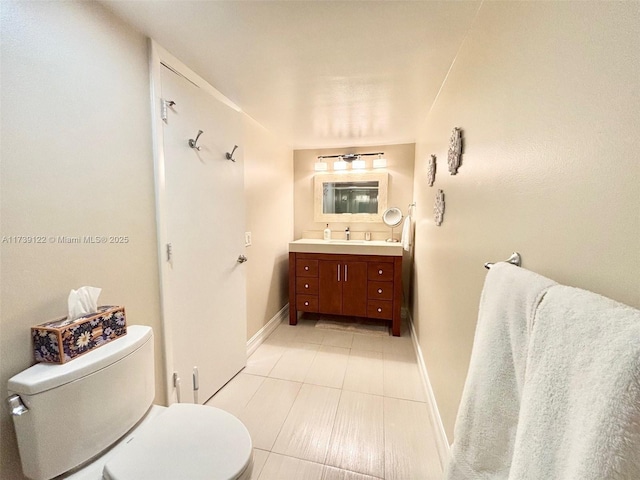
(203, 212)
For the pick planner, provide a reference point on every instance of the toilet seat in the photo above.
(185, 441)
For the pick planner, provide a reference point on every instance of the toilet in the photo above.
(94, 418)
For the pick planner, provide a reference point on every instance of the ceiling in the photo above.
(318, 74)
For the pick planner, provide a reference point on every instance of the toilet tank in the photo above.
(78, 409)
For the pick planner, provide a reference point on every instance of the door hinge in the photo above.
(196, 384)
(169, 252)
(176, 385)
(163, 109)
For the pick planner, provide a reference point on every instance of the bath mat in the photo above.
(355, 326)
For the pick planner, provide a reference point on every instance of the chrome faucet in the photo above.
(347, 233)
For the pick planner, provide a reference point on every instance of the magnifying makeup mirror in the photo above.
(392, 218)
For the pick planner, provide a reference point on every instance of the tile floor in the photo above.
(330, 405)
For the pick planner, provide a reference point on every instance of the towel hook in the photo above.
(193, 143)
(514, 259)
(230, 155)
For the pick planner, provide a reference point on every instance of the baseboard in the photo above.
(255, 341)
(442, 443)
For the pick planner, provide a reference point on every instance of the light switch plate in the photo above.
(247, 239)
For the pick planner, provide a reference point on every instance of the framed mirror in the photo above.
(360, 197)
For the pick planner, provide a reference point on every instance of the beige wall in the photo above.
(547, 94)
(400, 159)
(76, 160)
(268, 179)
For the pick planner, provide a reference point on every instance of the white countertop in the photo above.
(353, 247)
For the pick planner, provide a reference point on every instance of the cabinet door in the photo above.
(354, 289)
(330, 278)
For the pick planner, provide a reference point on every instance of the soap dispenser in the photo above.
(327, 233)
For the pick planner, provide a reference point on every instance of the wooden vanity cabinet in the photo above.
(342, 287)
(354, 285)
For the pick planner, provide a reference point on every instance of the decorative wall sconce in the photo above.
(455, 150)
(438, 208)
(431, 170)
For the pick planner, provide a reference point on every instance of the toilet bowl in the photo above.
(185, 441)
(93, 418)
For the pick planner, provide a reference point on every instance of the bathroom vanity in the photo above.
(355, 278)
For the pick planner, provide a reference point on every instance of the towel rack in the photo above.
(411, 205)
(514, 259)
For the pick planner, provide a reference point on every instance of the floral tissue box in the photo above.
(61, 340)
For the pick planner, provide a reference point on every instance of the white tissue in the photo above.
(82, 302)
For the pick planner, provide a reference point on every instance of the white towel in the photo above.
(580, 410)
(485, 427)
(406, 233)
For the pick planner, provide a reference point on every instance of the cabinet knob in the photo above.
(306, 304)
(380, 272)
(379, 309)
(306, 285)
(379, 290)
(306, 268)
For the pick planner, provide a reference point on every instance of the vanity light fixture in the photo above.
(379, 162)
(354, 159)
(340, 164)
(320, 166)
(359, 164)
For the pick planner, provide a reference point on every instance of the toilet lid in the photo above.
(186, 441)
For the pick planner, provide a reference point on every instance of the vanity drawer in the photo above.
(307, 285)
(380, 290)
(380, 309)
(306, 267)
(307, 303)
(382, 272)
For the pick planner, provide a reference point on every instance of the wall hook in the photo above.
(230, 155)
(194, 143)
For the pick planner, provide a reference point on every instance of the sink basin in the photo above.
(346, 247)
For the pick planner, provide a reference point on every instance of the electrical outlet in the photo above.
(247, 239)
